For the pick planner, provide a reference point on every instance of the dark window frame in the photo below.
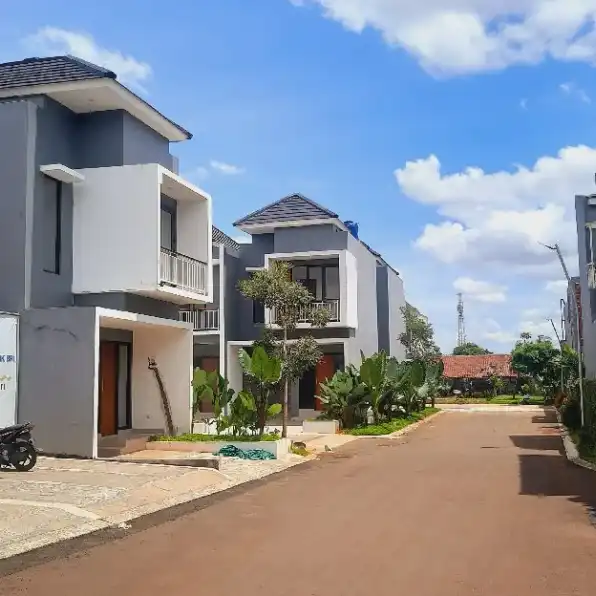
(173, 212)
(323, 278)
(57, 249)
(258, 308)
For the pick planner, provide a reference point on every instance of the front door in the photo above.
(324, 371)
(108, 388)
(306, 390)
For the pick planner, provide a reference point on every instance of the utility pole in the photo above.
(561, 347)
(461, 323)
(580, 372)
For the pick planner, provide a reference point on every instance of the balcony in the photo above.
(181, 271)
(202, 320)
(121, 238)
(332, 306)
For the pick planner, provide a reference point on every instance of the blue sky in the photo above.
(456, 132)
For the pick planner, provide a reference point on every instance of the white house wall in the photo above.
(172, 351)
(116, 229)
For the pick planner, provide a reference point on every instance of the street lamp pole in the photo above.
(580, 372)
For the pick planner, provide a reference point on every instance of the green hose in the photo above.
(254, 454)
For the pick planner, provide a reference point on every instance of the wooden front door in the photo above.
(325, 370)
(108, 388)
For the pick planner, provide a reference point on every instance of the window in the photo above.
(167, 229)
(52, 233)
(332, 283)
(258, 313)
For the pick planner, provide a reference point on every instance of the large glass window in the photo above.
(332, 283)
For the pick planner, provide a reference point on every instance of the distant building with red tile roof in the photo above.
(478, 367)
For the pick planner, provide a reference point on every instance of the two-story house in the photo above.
(103, 242)
(362, 293)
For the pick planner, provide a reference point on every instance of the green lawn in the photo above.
(503, 400)
(386, 428)
(196, 438)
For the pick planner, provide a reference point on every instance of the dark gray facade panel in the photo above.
(143, 145)
(100, 139)
(253, 254)
(57, 378)
(309, 238)
(56, 143)
(383, 309)
(17, 143)
(130, 303)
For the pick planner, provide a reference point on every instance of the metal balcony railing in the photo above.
(183, 272)
(202, 320)
(305, 313)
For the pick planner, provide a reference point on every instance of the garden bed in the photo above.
(387, 428)
(501, 400)
(320, 427)
(279, 448)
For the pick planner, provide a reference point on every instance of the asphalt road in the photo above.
(469, 504)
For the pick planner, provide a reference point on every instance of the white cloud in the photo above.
(226, 168)
(557, 286)
(463, 36)
(49, 41)
(500, 218)
(575, 91)
(482, 291)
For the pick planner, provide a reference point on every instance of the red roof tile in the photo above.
(478, 367)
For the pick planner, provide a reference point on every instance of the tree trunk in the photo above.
(284, 427)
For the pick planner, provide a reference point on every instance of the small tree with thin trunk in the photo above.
(289, 303)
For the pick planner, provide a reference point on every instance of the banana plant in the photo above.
(378, 384)
(265, 371)
(341, 396)
(212, 386)
(433, 376)
(406, 378)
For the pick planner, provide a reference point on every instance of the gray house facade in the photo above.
(585, 211)
(104, 242)
(361, 292)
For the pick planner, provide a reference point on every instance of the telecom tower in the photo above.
(461, 323)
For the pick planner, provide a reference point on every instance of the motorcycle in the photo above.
(17, 449)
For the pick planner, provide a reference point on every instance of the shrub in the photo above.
(571, 414)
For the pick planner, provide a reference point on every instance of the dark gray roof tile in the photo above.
(291, 208)
(45, 71)
(220, 237)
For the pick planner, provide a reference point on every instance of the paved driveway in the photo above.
(469, 504)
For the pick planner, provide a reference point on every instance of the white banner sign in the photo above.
(9, 331)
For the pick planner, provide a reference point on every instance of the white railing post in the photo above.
(183, 272)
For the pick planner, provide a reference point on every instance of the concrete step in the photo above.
(122, 445)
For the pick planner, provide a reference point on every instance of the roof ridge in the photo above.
(109, 73)
(331, 214)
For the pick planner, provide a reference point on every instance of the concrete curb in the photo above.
(570, 448)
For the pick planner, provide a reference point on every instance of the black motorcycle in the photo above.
(16, 447)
